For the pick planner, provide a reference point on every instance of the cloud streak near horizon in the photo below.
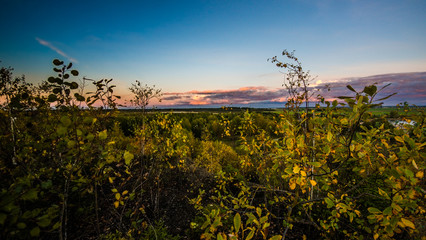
(57, 50)
(410, 87)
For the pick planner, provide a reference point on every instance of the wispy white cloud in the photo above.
(57, 50)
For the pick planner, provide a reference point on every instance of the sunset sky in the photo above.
(215, 52)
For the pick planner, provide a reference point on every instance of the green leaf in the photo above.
(79, 97)
(329, 202)
(35, 232)
(408, 223)
(30, 195)
(65, 120)
(370, 90)
(71, 144)
(56, 225)
(51, 79)
(329, 136)
(345, 98)
(21, 225)
(374, 210)
(2, 218)
(44, 222)
(57, 90)
(61, 130)
(74, 85)
(237, 222)
(79, 132)
(128, 157)
(383, 193)
(90, 137)
(289, 143)
(103, 135)
(409, 173)
(315, 164)
(344, 121)
(219, 236)
(388, 211)
(350, 88)
(52, 98)
(74, 72)
(47, 184)
(410, 141)
(250, 235)
(276, 237)
(57, 62)
(386, 97)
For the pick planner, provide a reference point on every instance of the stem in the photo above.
(97, 210)
(290, 210)
(12, 129)
(64, 218)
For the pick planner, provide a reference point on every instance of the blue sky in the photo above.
(190, 47)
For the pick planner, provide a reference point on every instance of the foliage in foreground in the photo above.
(330, 172)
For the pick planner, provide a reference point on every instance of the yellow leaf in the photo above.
(357, 213)
(292, 185)
(414, 164)
(303, 173)
(117, 196)
(419, 174)
(385, 143)
(383, 193)
(110, 180)
(329, 136)
(116, 203)
(376, 236)
(103, 135)
(411, 194)
(313, 183)
(296, 169)
(128, 157)
(408, 223)
(125, 192)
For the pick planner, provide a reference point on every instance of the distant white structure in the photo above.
(400, 123)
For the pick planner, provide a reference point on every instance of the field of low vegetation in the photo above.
(74, 166)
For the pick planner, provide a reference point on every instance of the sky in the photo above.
(213, 53)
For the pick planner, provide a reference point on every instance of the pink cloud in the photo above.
(409, 86)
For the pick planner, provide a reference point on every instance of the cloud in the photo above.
(245, 95)
(57, 50)
(408, 86)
